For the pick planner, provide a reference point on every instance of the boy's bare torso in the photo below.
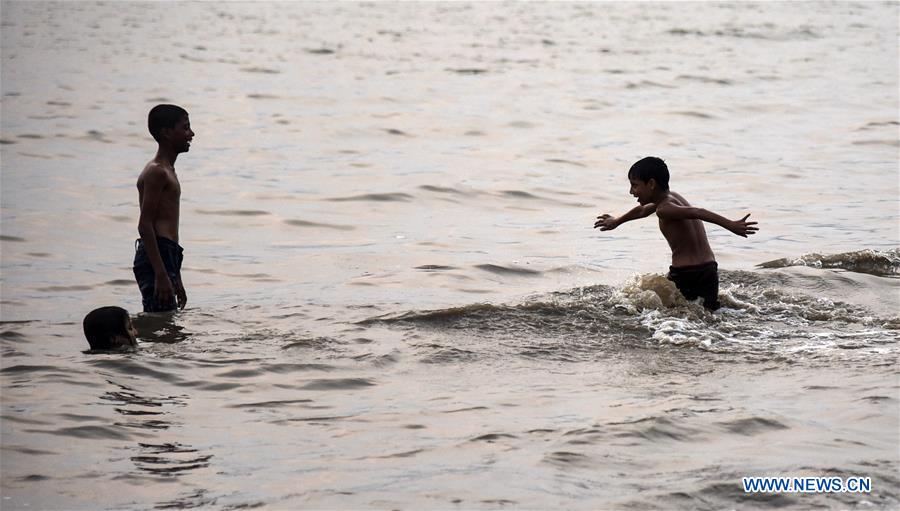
(687, 238)
(167, 208)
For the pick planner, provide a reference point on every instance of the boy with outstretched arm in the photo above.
(694, 269)
(158, 257)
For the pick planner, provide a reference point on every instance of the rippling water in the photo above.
(396, 299)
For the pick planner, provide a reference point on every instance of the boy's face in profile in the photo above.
(126, 340)
(180, 135)
(129, 341)
(642, 190)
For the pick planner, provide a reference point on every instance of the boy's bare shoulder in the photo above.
(154, 170)
(676, 199)
(156, 166)
(670, 205)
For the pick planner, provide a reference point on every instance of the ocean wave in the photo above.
(883, 263)
(376, 197)
(765, 32)
(762, 318)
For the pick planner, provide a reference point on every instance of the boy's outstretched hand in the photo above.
(606, 222)
(742, 227)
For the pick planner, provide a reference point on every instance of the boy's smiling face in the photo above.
(643, 191)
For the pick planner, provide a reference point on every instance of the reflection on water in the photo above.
(169, 459)
(159, 327)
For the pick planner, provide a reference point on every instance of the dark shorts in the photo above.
(172, 256)
(699, 281)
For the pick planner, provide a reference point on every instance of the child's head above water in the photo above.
(109, 328)
(649, 168)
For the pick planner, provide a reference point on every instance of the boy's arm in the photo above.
(674, 212)
(154, 182)
(608, 222)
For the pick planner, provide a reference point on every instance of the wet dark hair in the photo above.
(164, 116)
(649, 168)
(103, 325)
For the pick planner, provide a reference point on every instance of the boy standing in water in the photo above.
(694, 269)
(158, 257)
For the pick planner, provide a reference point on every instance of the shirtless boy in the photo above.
(694, 269)
(158, 257)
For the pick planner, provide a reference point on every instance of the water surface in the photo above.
(396, 298)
